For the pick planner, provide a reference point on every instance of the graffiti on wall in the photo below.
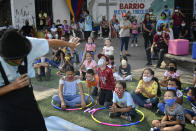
(24, 12)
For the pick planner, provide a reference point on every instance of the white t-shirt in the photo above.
(40, 47)
(179, 93)
(126, 100)
(108, 50)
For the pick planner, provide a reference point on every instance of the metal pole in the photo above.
(107, 9)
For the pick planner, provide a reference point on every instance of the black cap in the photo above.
(14, 46)
(166, 6)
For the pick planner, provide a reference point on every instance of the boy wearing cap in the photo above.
(19, 110)
(106, 81)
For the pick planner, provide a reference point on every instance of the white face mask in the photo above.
(183, 24)
(150, 13)
(159, 33)
(101, 62)
(147, 79)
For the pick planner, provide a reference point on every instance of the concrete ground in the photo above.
(137, 60)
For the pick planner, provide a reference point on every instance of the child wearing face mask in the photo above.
(108, 49)
(148, 90)
(123, 105)
(184, 31)
(68, 90)
(106, 81)
(190, 114)
(124, 70)
(163, 20)
(112, 65)
(88, 63)
(134, 27)
(173, 84)
(171, 72)
(90, 47)
(173, 119)
(92, 82)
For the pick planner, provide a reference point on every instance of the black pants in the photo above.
(95, 91)
(147, 40)
(22, 120)
(105, 96)
(161, 52)
(87, 34)
(105, 32)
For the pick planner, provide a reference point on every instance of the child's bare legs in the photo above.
(37, 66)
(157, 123)
(172, 128)
(189, 117)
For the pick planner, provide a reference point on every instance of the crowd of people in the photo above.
(105, 80)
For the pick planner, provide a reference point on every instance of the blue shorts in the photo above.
(190, 112)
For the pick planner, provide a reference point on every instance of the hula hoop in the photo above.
(74, 109)
(184, 96)
(118, 125)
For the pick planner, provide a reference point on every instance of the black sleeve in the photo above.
(128, 69)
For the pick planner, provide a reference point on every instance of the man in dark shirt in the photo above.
(26, 30)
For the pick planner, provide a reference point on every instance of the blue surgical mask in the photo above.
(170, 102)
(172, 88)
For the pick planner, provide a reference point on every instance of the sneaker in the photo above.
(128, 55)
(39, 77)
(132, 45)
(155, 129)
(148, 106)
(136, 45)
(47, 75)
(128, 118)
(111, 114)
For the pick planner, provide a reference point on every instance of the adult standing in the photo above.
(125, 26)
(88, 27)
(147, 26)
(177, 17)
(19, 110)
(104, 27)
(113, 22)
(26, 30)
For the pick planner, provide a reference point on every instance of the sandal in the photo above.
(128, 118)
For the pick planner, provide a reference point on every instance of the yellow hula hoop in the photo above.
(117, 125)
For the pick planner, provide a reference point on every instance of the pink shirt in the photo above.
(90, 47)
(134, 30)
(174, 75)
(91, 65)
